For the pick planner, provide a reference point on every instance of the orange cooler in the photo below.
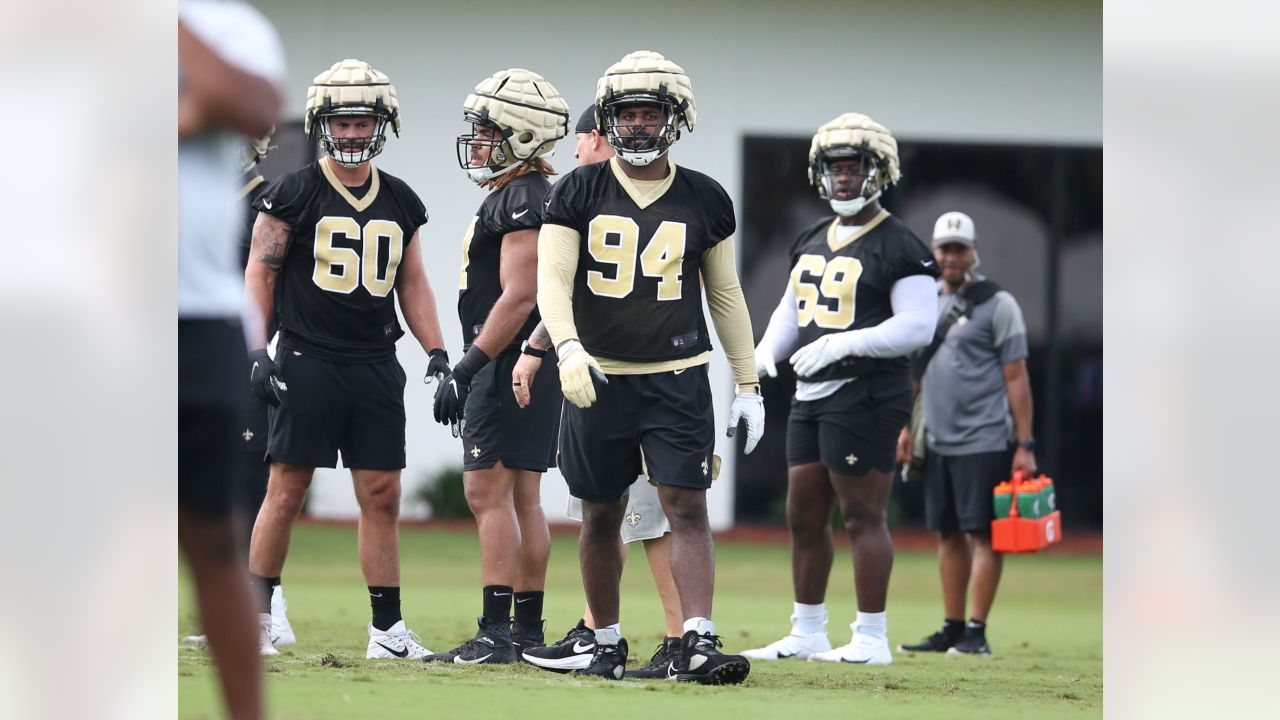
(1011, 531)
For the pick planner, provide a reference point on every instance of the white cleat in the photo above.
(861, 650)
(281, 630)
(198, 642)
(265, 646)
(798, 645)
(396, 643)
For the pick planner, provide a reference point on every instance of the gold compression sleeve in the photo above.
(729, 311)
(557, 264)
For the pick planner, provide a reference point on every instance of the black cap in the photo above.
(587, 122)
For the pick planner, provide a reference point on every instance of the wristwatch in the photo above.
(1027, 444)
(528, 349)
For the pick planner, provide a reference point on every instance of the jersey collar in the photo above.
(642, 198)
(836, 244)
(249, 186)
(345, 192)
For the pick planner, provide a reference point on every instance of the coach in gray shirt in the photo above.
(977, 414)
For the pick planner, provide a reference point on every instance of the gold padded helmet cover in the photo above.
(861, 133)
(352, 87)
(528, 109)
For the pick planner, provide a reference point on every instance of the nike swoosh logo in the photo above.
(580, 648)
(926, 263)
(503, 595)
(856, 662)
(520, 600)
(784, 656)
(266, 204)
(517, 216)
(397, 653)
(457, 659)
(677, 372)
(375, 594)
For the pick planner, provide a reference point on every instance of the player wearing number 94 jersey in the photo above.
(340, 237)
(620, 253)
(860, 298)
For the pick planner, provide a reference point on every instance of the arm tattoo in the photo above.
(540, 337)
(271, 243)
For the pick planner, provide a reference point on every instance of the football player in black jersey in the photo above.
(337, 241)
(619, 257)
(251, 433)
(860, 299)
(515, 117)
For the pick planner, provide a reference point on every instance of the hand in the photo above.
(578, 370)
(264, 378)
(451, 396)
(522, 378)
(810, 359)
(748, 406)
(766, 363)
(1025, 460)
(437, 366)
(905, 447)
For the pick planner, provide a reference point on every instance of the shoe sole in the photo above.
(905, 649)
(730, 673)
(561, 665)
(958, 653)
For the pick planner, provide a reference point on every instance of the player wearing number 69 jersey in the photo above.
(619, 256)
(861, 298)
(340, 237)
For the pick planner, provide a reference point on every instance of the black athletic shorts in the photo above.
(853, 430)
(496, 428)
(212, 372)
(669, 415)
(330, 407)
(957, 489)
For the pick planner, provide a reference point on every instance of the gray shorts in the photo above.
(644, 519)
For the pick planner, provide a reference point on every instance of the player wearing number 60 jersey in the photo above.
(861, 298)
(619, 256)
(341, 239)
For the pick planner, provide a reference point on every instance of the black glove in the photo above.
(451, 395)
(437, 366)
(263, 378)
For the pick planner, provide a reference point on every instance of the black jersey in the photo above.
(637, 293)
(845, 285)
(517, 206)
(336, 298)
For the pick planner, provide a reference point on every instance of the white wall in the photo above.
(1004, 71)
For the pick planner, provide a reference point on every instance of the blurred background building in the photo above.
(996, 104)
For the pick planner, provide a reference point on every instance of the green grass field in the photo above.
(1046, 633)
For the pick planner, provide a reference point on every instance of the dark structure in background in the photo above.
(1038, 211)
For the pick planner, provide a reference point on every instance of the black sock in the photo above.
(977, 627)
(262, 588)
(386, 606)
(529, 608)
(952, 628)
(497, 603)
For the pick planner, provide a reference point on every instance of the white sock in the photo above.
(701, 625)
(810, 618)
(610, 634)
(872, 625)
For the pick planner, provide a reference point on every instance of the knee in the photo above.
(381, 498)
(859, 519)
(286, 492)
(806, 523)
(602, 520)
(483, 497)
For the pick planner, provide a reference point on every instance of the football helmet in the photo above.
(351, 87)
(644, 77)
(853, 136)
(527, 115)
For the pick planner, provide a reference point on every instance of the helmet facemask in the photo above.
(845, 199)
(640, 143)
(351, 152)
(486, 156)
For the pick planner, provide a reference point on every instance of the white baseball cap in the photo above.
(954, 227)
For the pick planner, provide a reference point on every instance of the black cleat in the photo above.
(660, 664)
(527, 637)
(609, 662)
(490, 646)
(940, 641)
(973, 643)
(701, 661)
(574, 652)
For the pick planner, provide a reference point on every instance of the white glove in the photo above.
(811, 358)
(766, 363)
(747, 406)
(577, 369)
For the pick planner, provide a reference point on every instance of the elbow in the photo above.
(922, 332)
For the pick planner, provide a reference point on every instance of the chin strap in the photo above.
(849, 208)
